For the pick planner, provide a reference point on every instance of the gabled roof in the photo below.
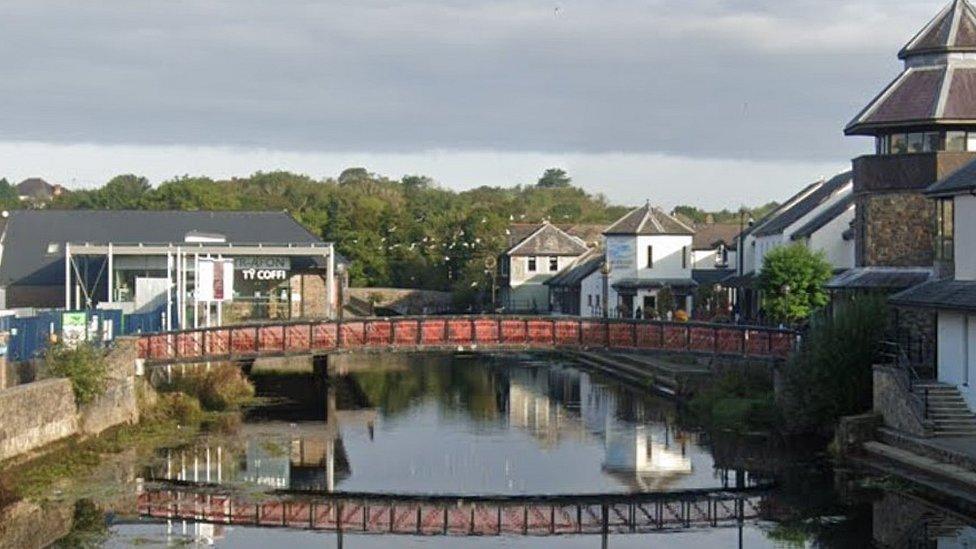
(825, 217)
(709, 236)
(648, 221)
(821, 193)
(29, 233)
(787, 204)
(952, 30)
(934, 88)
(880, 278)
(34, 187)
(548, 239)
(583, 267)
(960, 181)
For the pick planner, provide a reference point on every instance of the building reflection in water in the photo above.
(642, 447)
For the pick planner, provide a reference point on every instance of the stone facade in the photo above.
(895, 230)
(312, 293)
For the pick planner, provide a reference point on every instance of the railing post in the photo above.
(339, 334)
(393, 325)
(579, 331)
(420, 331)
(311, 332)
(715, 343)
(744, 340)
(633, 334)
(687, 337)
(257, 339)
(474, 337)
(606, 333)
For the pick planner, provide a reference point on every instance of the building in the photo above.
(924, 128)
(952, 299)
(536, 254)
(36, 190)
(647, 251)
(139, 261)
(578, 290)
(819, 217)
(714, 245)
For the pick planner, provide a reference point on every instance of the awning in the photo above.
(890, 279)
(748, 281)
(653, 283)
(955, 295)
(711, 277)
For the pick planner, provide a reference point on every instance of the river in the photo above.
(537, 443)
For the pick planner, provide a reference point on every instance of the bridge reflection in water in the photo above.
(301, 466)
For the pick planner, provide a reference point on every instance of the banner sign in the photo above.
(214, 280)
(622, 255)
(74, 329)
(262, 263)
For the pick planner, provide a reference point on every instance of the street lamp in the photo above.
(605, 270)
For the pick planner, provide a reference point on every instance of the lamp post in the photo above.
(605, 270)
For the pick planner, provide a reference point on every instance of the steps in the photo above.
(947, 410)
(960, 477)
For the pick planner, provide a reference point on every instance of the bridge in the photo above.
(466, 333)
(458, 515)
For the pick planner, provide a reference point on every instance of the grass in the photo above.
(220, 388)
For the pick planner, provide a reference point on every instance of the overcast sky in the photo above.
(710, 102)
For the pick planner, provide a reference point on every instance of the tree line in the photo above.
(406, 232)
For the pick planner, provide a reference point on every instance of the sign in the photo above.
(264, 274)
(622, 255)
(74, 329)
(214, 280)
(262, 263)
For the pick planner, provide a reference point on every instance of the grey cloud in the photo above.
(740, 79)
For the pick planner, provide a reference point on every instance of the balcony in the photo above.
(906, 172)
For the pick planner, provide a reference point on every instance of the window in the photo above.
(650, 257)
(899, 144)
(971, 141)
(650, 304)
(589, 300)
(684, 257)
(916, 142)
(955, 141)
(946, 230)
(598, 301)
(53, 247)
(532, 265)
(553, 264)
(932, 142)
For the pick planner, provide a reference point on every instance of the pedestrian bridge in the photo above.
(458, 515)
(465, 333)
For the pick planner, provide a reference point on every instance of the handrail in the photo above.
(909, 378)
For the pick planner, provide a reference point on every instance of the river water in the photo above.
(507, 426)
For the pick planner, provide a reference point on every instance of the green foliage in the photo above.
(792, 281)
(831, 376)
(737, 399)
(554, 178)
(84, 366)
(221, 387)
(8, 195)
(743, 214)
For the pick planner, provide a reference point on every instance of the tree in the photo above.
(124, 192)
(554, 178)
(665, 302)
(353, 175)
(792, 281)
(8, 195)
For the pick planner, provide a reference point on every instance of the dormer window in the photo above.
(53, 248)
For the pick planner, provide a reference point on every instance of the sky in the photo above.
(716, 103)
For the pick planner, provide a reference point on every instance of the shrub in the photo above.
(222, 387)
(737, 399)
(84, 366)
(831, 376)
(178, 407)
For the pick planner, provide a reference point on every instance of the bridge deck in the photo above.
(460, 516)
(465, 332)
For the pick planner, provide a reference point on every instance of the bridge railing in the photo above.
(507, 332)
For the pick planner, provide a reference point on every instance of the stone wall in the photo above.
(42, 412)
(404, 301)
(32, 524)
(894, 404)
(313, 294)
(895, 229)
(36, 414)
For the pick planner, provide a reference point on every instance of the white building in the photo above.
(535, 256)
(818, 217)
(953, 298)
(647, 250)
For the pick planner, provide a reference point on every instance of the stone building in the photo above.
(924, 127)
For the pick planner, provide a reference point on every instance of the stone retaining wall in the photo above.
(893, 403)
(38, 413)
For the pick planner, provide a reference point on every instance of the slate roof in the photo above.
(761, 222)
(957, 295)
(648, 221)
(825, 217)
(821, 193)
(709, 236)
(952, 30)
(548, 239)
(933, 89)
(880, 278)
(29, 233)
(962, 180)
(34, 187)
(582, 268)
